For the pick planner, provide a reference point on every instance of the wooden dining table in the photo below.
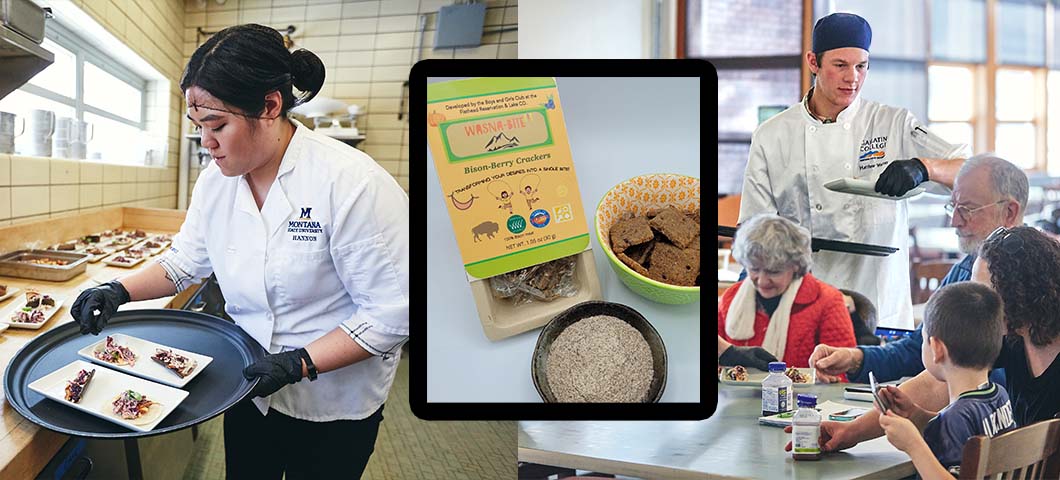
(729, 444)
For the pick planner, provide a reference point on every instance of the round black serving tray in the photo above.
(215, 390)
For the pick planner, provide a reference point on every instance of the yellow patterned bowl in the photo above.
(638, 195)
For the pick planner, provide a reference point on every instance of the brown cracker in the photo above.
(673, 265)
(676, 226)
(636, 266)
(628, 232)
(641, 253)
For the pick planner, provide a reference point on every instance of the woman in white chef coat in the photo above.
(834, 133)
(309, 240)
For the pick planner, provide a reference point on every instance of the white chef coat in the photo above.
(329, 247)
(794, 154)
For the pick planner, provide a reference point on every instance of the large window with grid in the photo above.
(86, 84)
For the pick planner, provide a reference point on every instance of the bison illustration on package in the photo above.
(485, 228)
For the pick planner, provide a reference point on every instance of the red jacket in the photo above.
(818, 315)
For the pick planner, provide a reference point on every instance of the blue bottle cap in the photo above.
(777, 366)
(806, 400)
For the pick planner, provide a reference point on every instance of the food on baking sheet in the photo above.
(796, 375)
(737, 374)
(134, 407)
(76, 388)
(111, 352)
(46, 261)
(179, 364)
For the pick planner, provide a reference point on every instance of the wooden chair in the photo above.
(1029, 452)
(926, 276)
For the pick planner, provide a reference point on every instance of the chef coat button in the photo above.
(813, 129)
(815, 169)
(847, 166)
(819, 207)
(846, 126)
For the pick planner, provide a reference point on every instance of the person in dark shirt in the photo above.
(962, 334)
(1023, 266)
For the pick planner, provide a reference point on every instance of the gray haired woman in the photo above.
(780, 306)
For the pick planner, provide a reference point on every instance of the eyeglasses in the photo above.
(1002, 235)
(966, 212)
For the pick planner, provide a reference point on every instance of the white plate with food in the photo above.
(866, 188)
(802, 377)
(153, 247)
(143, 404)
(124, 261)
(96, 252)
(32, 313)
(10, 292)
(171, 366)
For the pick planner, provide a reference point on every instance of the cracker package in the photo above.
(504, 164)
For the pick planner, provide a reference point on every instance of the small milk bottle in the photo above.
(806, 429)
(776, 390)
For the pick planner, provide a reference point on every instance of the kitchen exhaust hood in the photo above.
(21, 32)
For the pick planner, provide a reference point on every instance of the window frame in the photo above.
(84, 52)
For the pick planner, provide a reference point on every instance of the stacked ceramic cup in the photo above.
(36, 137)
(7, 132)
(64, 134)
(82, 134)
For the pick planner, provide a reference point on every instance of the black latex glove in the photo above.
(105, 299)
(755, 357)
(901, 176)
(275, 371)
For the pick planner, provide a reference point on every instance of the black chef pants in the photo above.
(266, 447)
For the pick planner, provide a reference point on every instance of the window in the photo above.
(88, 85)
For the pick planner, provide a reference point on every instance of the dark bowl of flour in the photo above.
(599, 352)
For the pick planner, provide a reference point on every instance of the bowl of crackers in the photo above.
(649, 229)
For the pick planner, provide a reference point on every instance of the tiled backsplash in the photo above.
(33, 188)
(368, 48)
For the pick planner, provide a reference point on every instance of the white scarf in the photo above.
(740, 321)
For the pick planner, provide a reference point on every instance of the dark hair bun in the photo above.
(307, 74)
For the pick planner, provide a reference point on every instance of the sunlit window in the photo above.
(950, 93)
(1015, 143)
(111, 94)
(20, 103)
(61, 76)
(115, 141)
(1015, 95)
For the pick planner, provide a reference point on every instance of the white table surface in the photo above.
(730, 444)
(614, 135)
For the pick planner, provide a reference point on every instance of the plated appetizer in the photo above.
(28, 315)
(796, 376)
(76, 388)
(134, 407)
(737, 374)
(35, 299)
(179, 364)
(111, 352)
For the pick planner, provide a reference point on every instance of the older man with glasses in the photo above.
(988, 193)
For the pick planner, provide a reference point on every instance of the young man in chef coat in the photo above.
(834, 133)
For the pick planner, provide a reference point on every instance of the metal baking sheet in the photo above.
(12, 265)
(817, 244)
(211, 393)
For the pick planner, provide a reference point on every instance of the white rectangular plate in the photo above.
(755, 377)
(145, 366)
(5, 317)
(156, 251)
(110, 261)
(866, 188)
(11, 291)
(105, 385)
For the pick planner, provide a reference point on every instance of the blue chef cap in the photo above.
(840, 30)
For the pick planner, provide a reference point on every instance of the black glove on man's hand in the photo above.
(901, 176)
(275, 371)
(105, 298)
(755, 357)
